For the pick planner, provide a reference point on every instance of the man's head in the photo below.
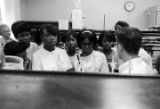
(49, 35)
(21, 31)
(119, 25)
(129, 41)
(5, 31)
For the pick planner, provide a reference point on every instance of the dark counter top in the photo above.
(36, 90)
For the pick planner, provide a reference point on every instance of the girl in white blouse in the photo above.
(89, 60)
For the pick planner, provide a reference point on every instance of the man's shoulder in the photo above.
(137, 65)
(142, 67)
(142, 52)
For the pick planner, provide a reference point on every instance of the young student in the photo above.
(22, 33)
(142, 53)
(128, 44)
(119, 25)
(70, 40)
(49, 57)
(71, 45)
(107, 40)
(5, 34)
(89, 60)
(18, 49)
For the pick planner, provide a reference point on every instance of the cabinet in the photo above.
(153, 16)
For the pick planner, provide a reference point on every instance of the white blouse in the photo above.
(31, 50)
(56, 60)
(95, 62)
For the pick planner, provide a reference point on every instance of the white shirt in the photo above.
(145, 57)
(56, 60)
(95, 62)
(31, 50)
(135, 66)
(142, 53)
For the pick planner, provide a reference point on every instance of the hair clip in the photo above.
(87, 32)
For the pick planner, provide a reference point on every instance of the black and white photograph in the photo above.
(79, 54)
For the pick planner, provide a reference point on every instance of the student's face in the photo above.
(106, 44)
(117, 29)
(24, 37)
(49, 40)
(87, 46)
(6, 32)
(71, 42)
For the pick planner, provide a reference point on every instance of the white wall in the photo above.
(94, 10)
(114, 11)
(10, 11)
(46, 10)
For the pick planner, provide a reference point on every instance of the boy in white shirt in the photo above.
(49, 57)
(89, 60)
(128, 44)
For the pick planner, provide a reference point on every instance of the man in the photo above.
(4, 38)
(5, 34)
(142, 53)
(49, 57)
(128, 44)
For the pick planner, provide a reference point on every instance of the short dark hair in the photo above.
(130, 38)
(20, 27)
(90, 35)
(49, 28)
(122, 24)
(109, 35)
(14, 48)
(68, 34)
